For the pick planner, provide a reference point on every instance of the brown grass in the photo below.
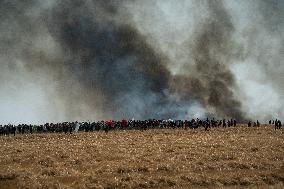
(221, 158)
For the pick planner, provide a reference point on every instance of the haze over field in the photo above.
(91, 60)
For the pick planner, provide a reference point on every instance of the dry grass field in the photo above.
(162, 158)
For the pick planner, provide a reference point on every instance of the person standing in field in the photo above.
(13, 130)
(235, 123)
(70, 128)
(276, 125)
(31, 129)
(249, 124)
(224, 123)
(207, 125)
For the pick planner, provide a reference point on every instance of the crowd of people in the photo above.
(69, 127)
(277, 124)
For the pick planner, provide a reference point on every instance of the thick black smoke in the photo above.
(212, 82)
(112, 59)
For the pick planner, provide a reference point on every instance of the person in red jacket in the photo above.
(124, 124)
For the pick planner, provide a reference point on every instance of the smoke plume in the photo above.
(90, 60)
